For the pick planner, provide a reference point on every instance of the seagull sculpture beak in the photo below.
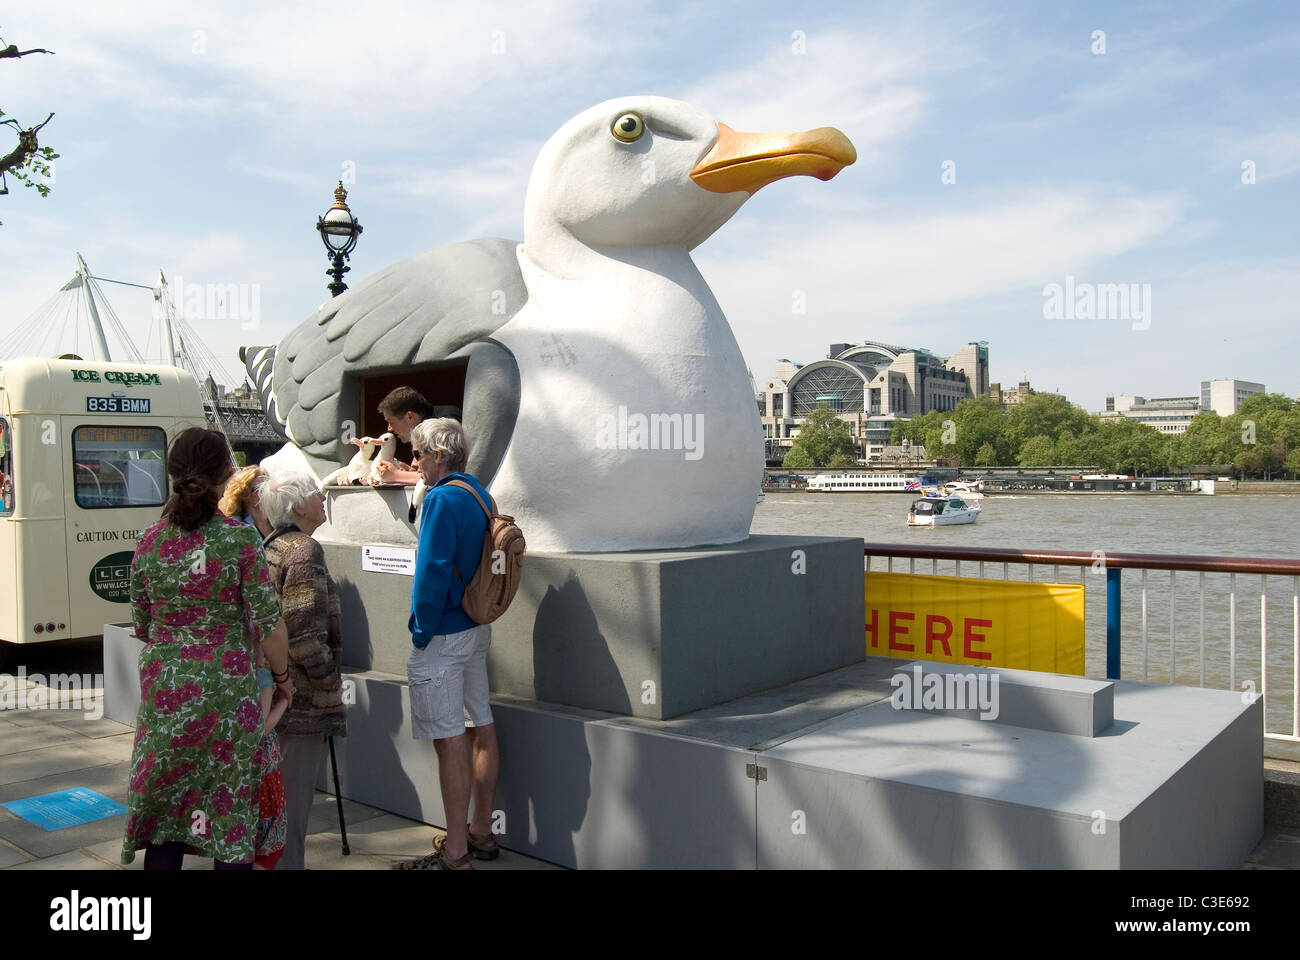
(750, 161)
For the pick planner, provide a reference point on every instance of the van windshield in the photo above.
(119, 466)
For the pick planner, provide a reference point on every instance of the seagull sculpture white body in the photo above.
(610, 407)
(637, 426)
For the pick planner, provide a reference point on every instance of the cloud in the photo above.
(318, 66)
(1275, 154)
(305, 180)
(906, 257)
(867, 83)
(480, 199)
(926, 274)
(1211, 319)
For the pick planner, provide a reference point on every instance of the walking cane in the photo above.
(338, 798)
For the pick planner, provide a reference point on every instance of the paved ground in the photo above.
(42, 751)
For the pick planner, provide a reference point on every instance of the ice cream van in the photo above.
(83, 451)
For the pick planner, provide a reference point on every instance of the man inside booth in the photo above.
(402, 409)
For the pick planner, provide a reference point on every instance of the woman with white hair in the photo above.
(295, 506)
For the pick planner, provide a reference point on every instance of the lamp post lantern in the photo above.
(338, 231)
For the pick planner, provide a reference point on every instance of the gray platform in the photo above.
(839, 779)
(652, 634)
(1044, 701)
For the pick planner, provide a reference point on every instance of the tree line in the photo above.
(1261, 440)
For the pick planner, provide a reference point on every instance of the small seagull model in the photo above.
(388, 445)
(360, 469)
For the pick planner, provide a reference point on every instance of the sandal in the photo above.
(446, 863)
(485, 849)
(429, 862)
(437, 860)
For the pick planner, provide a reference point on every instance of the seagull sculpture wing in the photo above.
(445, 304)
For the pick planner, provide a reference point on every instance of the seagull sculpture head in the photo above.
(647, 171)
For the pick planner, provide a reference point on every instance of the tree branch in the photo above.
(13, 51)
(27, 146)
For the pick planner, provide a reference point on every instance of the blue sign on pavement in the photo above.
(67, 808)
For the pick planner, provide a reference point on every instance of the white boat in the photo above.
(972, 490)
(942, 512)
(863, 483)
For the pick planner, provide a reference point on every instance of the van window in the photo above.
(119, 466)
(6, 469)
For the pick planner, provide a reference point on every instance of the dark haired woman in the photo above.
(197, 577)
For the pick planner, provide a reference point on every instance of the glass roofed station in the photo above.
(869, 386)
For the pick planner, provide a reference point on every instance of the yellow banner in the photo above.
(987, 623)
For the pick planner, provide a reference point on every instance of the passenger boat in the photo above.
(942, 512)
(863, 483)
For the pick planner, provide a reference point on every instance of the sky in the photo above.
(1002, 148)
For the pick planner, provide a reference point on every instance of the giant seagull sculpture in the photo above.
(605, 396)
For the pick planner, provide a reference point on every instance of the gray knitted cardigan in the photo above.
(309, 604)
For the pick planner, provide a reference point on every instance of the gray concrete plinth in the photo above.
(1175, 782)
(660, 633)
(652, 634)
(826, 773)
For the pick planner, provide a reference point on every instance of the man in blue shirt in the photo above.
(447, 668)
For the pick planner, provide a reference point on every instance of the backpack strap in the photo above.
(465, 486)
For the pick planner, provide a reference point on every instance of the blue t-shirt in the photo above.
(452, 528)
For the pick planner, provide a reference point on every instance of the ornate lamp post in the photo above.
(338, 231)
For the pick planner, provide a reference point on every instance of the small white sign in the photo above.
(388, 560)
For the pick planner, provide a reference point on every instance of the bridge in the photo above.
(80, 318)
(239, 415)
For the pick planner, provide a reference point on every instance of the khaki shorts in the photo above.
(449, 684)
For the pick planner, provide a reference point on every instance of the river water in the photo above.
(1249, 525)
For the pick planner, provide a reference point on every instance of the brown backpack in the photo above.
(500, 568)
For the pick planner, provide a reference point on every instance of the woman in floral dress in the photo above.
(195, 578)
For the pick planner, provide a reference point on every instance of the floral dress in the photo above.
(197, 763)
(273, 821)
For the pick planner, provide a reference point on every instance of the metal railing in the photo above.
(1092, 564)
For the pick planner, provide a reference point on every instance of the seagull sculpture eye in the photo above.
(628, 127)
